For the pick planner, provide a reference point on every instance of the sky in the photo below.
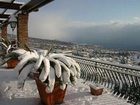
(110, 23)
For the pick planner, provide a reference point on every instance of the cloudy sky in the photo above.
(110, 23)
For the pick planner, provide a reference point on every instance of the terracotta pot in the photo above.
(56, 97)
(12, 63)
(96, 90)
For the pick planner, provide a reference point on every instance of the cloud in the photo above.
(113, 34)
(137, 19)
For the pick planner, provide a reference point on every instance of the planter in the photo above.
(12, 63)
(56, 97)
(96, 90)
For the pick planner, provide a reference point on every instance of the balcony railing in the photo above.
(123, 80)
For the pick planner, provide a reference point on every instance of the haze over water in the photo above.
(109, 23)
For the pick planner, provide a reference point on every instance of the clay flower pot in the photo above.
(56, 97)
(12, 63)
(96, 90)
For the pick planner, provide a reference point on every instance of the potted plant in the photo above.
(96, 89)
(6, 47)
(52, 73)
(12, 58)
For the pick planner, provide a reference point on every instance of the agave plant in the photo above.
(7, 45)
(51, 68)
(13, 52)
(3, 47)
(12, 55)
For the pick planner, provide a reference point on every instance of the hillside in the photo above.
(46, 43)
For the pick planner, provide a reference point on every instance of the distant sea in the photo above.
(126, 47)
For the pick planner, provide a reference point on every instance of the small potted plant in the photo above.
(52, 73)
(8, 47)
(95, 88)
(12, 58)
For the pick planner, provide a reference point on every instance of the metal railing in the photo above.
(122, 79)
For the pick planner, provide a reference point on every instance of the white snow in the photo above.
(75, 95)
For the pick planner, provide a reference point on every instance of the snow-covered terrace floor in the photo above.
(75, 95)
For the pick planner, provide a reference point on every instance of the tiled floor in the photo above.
(75, 95)
(80, 95)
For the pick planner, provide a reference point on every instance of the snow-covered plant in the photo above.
(53, 68)
(7, 45)
(3, 47)
(13, 55)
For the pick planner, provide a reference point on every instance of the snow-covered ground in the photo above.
(75, 95)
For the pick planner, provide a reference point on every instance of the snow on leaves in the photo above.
(51, 68)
